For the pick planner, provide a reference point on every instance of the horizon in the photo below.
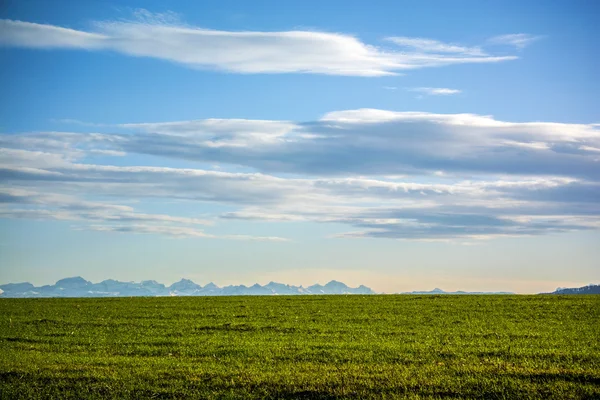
(305, 285)
(397, 146)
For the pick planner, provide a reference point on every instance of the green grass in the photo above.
(322, 347)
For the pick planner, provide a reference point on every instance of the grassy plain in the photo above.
(317, 347)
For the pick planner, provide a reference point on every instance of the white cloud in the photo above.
(590, 148)
(528, 145)
(431, 91)
(162, 36)
(518, 40)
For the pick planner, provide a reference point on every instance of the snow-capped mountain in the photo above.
(184, 287)
(79, 287)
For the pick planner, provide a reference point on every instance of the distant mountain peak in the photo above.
(275, 284)
(184, 282)
(72, 279)
(75, 281)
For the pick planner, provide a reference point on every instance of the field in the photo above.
(313, 347)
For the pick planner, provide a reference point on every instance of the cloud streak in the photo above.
(177, 232)
(517, 40)
(18, 203)
(431, 91)
(248, 52)
(435, 46)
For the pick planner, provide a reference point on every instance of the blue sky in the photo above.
(403, 146)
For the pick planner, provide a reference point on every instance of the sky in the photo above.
(400, 145)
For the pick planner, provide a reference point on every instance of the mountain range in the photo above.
(79, 287)
(589, 289)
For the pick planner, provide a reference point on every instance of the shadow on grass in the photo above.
(66, 384)
(544, 377)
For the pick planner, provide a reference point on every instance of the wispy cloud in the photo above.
(72, 121)
(163, 36)
(431, 91)
(18, 203)
(435, 46)
(176, 232)
(518, 40)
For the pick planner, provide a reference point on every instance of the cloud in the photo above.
(27, 34)
(518, 40)
(113, 153)
(350, 142)
(435, 46)
(382, 173)
(162, 36)
(383, 209)
(589, 148)
(68, 207)
(18, 203)
(177, 232)
(461, 210)
(379, 142)
(430, 91)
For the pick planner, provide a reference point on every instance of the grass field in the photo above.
(321, 347)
